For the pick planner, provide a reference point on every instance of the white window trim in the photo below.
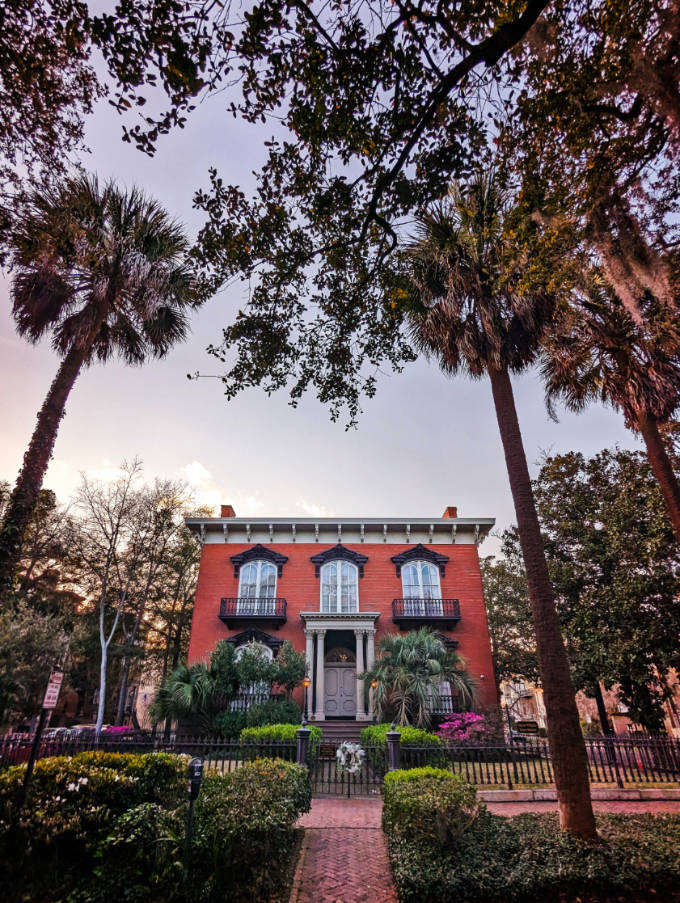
(420, 604)
(338, 563)
(259, 603)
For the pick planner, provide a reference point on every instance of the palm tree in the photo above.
(596, 351)
(104, 271)
(188, 692)
(407, 675)
(480, 303)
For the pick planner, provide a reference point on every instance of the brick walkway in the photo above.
(343, 857)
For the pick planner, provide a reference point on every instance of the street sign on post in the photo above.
(53, 689)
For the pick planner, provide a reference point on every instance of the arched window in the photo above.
(339, 587)
(257, 588)
(257, 692)
(422, 591)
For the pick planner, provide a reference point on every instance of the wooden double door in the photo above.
(340, 691)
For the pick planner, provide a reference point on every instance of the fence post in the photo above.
(393, 737)
(302, 734)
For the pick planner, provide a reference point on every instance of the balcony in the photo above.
(442, 613)
(241, 610)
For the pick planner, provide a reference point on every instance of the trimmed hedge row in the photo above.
(444, 847)
(374, 738)
(105, 826)
(278, 733)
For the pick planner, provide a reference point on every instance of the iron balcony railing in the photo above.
(239, 609)
(412, 612)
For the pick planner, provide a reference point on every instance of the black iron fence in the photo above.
(222, 755)
(619, 761)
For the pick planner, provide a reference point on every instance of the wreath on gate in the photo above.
(350, 756)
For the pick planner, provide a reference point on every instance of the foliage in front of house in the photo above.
(202, 694)
(445, 846)
(104, 826)
(268, 735)
(428, 746)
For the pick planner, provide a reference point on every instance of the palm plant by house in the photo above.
(407, 675)
(482, 295)
(103, 271)
(596, 352)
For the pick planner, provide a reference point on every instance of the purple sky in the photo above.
(424, 442)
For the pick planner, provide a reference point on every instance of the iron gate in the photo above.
(330, 779)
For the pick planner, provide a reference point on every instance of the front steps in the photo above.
(337, 731)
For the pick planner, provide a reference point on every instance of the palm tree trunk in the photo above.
(662, 468)
(24, 497)
(570, 764)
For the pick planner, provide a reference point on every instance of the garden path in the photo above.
(343, 857)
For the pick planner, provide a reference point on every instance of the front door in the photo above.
(341, 692)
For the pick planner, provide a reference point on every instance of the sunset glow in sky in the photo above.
(424, 442)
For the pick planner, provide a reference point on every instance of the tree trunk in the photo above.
(122, 693)
(662, 468)
(24, 497)
(102, 688)
(602, 711)
(567, 748)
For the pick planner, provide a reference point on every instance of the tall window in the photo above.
(339, 587)
(422, 592)
(257, 588)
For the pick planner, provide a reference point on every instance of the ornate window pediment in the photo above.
(258, 553)
(253, 635)
(420, 553)
(339, 553)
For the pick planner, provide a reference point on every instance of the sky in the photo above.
(423, 443)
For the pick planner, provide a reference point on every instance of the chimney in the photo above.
(451, 511)
(227, 511)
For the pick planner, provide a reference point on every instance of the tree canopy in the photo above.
(615, 567)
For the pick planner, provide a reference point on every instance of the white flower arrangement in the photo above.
(350, 757)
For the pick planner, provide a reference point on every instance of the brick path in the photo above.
(343, 857)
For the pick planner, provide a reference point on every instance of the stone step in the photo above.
(337, 731)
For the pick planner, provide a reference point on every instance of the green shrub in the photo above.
(274, 711)
(428, 804)
(139, 860)
(161, 777)
(502, 860)
(418, 747)
(276, 733)
(230, 724)
(244, 829)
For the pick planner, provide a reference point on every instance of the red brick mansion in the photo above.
(334, 587)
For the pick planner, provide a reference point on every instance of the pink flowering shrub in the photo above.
(463, 726)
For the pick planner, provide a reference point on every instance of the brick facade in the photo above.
(377, 589)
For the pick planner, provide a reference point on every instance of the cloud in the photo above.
(209, 492)
(314, 510)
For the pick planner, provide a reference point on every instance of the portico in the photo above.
(339, 647)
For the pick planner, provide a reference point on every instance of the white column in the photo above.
(359, 638)
(320, 675)
(370, 660)
(309, 656)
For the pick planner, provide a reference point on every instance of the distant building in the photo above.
(334, 587)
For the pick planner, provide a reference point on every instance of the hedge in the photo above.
(374, 738)
(105, 826)
(244, 829)
(276, 733)
(492, 859)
